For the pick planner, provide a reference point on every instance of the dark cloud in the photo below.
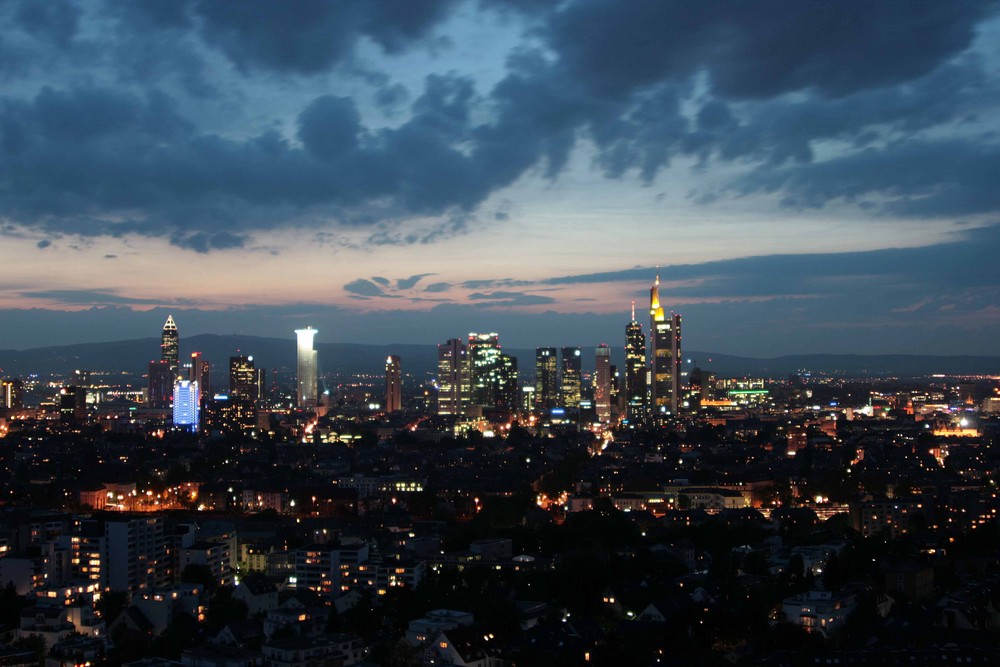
(407, 283)
(437, 287)
(381, 280)
(756, 84)
(961, 264)
(494, 283)
(365, 288)
(510, 299)
(928, 178)
(87, 297)
(759, 49)
(204, 242)
(391, 97)
(52, 20)
(44, 243)
(329, 127)
(260, 34)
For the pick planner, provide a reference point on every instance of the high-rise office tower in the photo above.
(546, 377)
(243, 377)
(12, 394)
(187, 400)
(195, 369)
(170, 345)
(665, 334)
(393, 384)
(571, 377)
(675, 354)
(508, 393)
(201, 372)
(635, 369)
(484, 365)
(260, 383)
(307, 368)
(453, 378)
(72, 404)
(617, 406)
(161, 384)
(602, 382)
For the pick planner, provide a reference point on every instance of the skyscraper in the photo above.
(170, 345)
(546, 377)
(453, 378)
(602, 383)
(393, 384)
(161, 384)
(307, 368)
(484, 364)
(635, 369)
(201, 372)
(187, 399)
(571, 372)
(675, 355)
(12, 394)
(665, 334)
(243, 377)
(508, 388)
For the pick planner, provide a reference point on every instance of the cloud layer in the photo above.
(886, 106)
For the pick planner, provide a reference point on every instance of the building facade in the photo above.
(546, 377)
(485, 368)
(187, 405)
(307, 368)
(602, 382)
(170, 344)
(571, 377)
(635, 370)
(393, 384)
(665, 358)
(453, 378)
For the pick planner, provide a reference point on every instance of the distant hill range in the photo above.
(420, 361)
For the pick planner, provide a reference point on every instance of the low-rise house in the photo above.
(344, 649)
(258, 593)
(468, 646)
(422, 630)
(50, 623)
(820, 611)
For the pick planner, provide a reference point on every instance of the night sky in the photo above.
(808, 176)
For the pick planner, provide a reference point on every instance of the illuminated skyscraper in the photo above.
(665, 335)
(243, 377)
(170, 345)
(393, 384)
(484, 364)
(453, 378)
(635, 369)
(571, 372)
(546, 377)
(187, 400)
(508, 393)
(307, 368)
(602, 383)
(12, 394)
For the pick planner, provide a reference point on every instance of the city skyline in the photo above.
(818, 183)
